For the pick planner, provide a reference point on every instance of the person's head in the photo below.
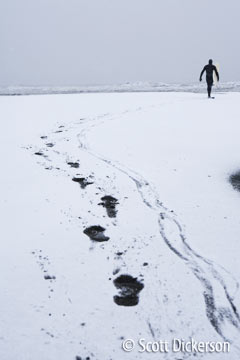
(210, 62)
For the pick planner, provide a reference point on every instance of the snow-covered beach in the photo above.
(172, 225)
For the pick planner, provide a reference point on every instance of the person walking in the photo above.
(209, 68)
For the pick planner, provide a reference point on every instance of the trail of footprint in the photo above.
(110, 203)
(201, 267)
(214, 279)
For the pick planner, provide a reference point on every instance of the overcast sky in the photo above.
(78, 42)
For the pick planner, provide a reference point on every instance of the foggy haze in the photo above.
(80, 42)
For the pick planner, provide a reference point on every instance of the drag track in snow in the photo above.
(218, 287)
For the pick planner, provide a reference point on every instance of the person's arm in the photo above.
(216, 72)
(200, 79)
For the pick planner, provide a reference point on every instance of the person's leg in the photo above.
(209, 86)
(209, 89)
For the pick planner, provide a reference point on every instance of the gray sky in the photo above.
(77, 42)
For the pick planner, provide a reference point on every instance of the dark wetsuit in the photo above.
(209, 76)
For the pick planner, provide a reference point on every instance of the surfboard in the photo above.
(215, 80)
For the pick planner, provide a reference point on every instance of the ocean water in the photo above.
(127, 87)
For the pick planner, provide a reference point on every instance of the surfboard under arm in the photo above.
(215, 80)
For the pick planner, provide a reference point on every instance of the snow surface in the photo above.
(166, 158)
